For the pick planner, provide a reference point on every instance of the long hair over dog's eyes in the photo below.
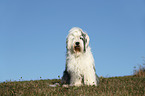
(82, 37)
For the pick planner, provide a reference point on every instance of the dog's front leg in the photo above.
(76, 80)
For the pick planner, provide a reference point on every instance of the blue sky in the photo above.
(33, 34)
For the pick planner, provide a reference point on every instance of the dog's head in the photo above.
(77, 40)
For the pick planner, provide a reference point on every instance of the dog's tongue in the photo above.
(77, 48)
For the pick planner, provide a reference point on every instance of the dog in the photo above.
(80, 66)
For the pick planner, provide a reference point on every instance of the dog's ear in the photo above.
(68, 42)
(87, 40)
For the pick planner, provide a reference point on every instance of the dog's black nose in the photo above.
(77, 43)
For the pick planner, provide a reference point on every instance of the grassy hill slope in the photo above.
(114, 86)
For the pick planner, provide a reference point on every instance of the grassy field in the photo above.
(113, 86)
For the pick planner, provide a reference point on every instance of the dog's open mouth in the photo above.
(77, 48)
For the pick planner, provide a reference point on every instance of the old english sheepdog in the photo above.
(80, 66)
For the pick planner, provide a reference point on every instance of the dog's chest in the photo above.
(79, 64)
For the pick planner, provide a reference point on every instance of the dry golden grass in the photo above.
(140, 72)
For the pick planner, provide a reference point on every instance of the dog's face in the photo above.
(77, 41)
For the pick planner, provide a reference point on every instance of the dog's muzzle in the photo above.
(77, 47)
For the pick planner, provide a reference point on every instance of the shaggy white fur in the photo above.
(80, 67)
